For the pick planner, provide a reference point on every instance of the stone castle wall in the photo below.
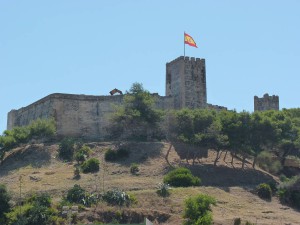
(76, 115)
(88, 115)
(186, 82)
(266, 103)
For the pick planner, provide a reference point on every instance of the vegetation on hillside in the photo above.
(181, 177)
(37, 129)
(267, 138)
(198, 210)
(277, 133)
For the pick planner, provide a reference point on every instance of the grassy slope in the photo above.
(230, 185)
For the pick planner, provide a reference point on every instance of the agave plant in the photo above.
(163, 189)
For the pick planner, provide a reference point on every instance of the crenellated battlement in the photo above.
(187, 59)
(267, 102)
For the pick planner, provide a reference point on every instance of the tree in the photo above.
(197, 127)
(136, 118)
(4, 202)
(287, 139)
(237, 126)
(263, 134)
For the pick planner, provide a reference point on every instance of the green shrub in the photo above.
(21, 134)
(4, 201)
(39, 215)
(43, 199)
(266, 161)
(82, 154)
(8, 141)
(37, 129)
(264, 191)
(41, 128)
(36, 211)
(118, 197)
(90, 166)
(114, 155)
(76, 194)
(134, 168)
(79, 157)
(289, 192)
(163, 189)
(14, 216)
(273, 186)
(66, 149)
(197, 210)
(181, 177)
(110, 155)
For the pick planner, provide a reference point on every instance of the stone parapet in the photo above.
(267, 102)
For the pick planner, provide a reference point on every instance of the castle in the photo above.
(88, 115)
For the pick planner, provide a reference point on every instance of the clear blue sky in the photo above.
(91, 47)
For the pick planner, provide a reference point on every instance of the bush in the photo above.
(4, 201)
(110, 155)
(66, 149)
(8, 141)
(118, 197)
(181, 177)
(114, 155)
(39, 215)
(37, 129)
(134, 168)
(43, 199)
(36, 211)
(90, 166)
(266, 161)
(42, 128)
(82, 154)
(197, 210)
(163, 189)
(76, 194)
(264, 191)
(289, 192)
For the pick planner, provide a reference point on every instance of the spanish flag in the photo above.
(189, 40)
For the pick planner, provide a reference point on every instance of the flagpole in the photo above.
(183, 45)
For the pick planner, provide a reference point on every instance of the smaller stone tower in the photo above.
(266, 103)
(186, 82)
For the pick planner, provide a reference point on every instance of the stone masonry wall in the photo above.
(266, 103)
(76, 115)
(186, 82)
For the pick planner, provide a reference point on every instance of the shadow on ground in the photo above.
(31, 155)
(140, 152)
(225, 176)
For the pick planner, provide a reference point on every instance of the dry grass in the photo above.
(41, 171)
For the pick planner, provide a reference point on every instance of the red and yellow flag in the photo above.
(189, 40)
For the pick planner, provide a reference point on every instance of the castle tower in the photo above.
(266, 103)
(186, 82)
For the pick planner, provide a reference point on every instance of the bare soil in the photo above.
(41, 171)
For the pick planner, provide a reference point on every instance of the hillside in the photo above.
(232, 186)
